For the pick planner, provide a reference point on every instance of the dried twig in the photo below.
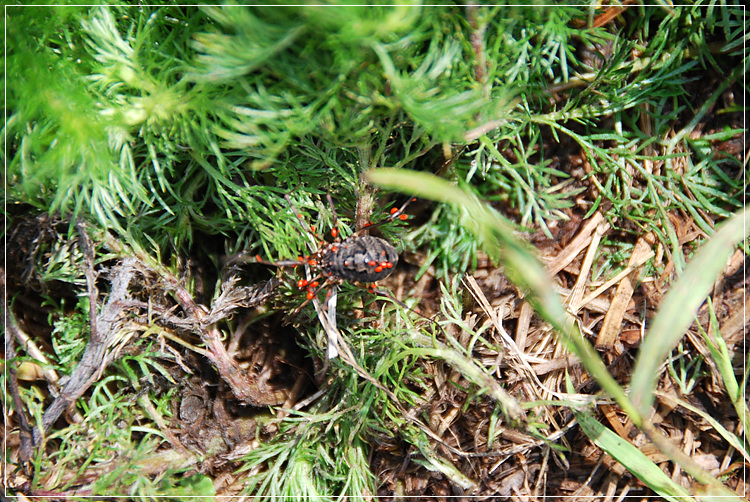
(103, 329)
(11, 328)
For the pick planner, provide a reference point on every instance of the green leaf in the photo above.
(635, 461)
(680, 305)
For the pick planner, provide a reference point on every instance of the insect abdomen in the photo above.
(361, 258)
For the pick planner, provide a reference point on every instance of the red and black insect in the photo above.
(358, 258)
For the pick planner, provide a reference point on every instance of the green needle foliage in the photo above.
(165, 114)
(179, 130)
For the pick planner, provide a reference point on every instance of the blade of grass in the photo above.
(728, 436)
(631, 457)
(723, 360)
(677, 312)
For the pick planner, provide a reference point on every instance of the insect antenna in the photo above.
(335, 228)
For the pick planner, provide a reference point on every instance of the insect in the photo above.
(358, 258)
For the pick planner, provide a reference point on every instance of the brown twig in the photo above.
(103, 328)
(245, 386)
(87, 248)
(11, 328)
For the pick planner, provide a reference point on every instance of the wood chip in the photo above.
(575, 246)
(613, 319)
(575, 299)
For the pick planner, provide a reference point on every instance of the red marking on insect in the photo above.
(378, 269)
(372, 263)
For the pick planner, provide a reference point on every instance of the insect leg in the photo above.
(398, 213)
(280, 263)
(312, 294)
(395, 213)
(245, 257)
